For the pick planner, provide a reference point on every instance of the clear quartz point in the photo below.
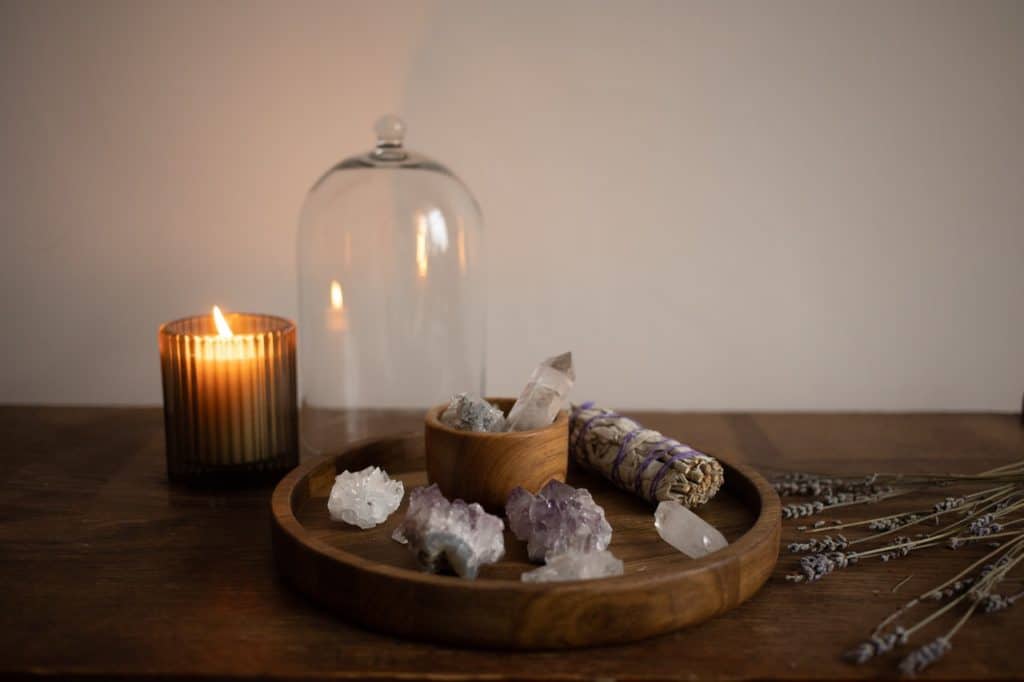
(687, 532)
(544, 395)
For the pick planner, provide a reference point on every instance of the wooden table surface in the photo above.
(107, 570)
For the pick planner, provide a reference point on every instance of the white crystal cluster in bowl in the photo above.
(468, 412)
(364, 498)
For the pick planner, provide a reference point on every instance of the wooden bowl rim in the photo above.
(763, 530)
(433, 421)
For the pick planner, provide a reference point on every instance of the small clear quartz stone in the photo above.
(364, 498)
(557, 520)
(450, 535)
(687, 532)
(468, 412)
(576, 566)
(544, 395)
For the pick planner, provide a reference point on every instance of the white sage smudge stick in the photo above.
(641, 461)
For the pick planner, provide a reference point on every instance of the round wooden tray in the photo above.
(367, 577)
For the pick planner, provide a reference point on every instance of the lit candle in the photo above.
(229, 395)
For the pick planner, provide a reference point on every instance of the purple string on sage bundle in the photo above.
(623, 451)
(685, 454)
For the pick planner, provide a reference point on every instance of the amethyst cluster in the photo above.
(450, 535)
(557, 520)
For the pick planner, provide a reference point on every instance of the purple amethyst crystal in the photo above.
(556, 520)
(450, 535)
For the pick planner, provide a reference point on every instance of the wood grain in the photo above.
(486, 467)
(109, 571)
(661, 589)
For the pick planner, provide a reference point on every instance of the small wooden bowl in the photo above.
(485, 467)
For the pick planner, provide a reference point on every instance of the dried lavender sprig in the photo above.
(825, 544)
(937, 592)
(921, 658)
(814, 567)
(895, 523)
(999, 602)
(954, 590)
(930, 653)
(978, 590)
(959, 541)
(902, 549)
(876, 645)
(1013, 471)
(949, 504)
(810, 485)
(800, 510)
(990, 493)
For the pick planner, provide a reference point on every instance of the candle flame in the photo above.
(223, 328)
(337, 297)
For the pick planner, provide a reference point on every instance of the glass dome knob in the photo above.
(390, 131)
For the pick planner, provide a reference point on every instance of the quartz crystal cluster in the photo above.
(576, 566)
(450, 535)
(364, 498)
(544, 395)
(468, 412)
(687, 532)
(557, 520)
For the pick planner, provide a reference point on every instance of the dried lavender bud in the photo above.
(979, 524)
(810, 485)
(796, 511)
(898, 552)
(1008, 501)
(894, 523)
(814, 567)
(998, 563)
(984, 525)
(998, 602)
(876, 646)
(953, 590)
(925, 656)
(859, 496)
(949, 504)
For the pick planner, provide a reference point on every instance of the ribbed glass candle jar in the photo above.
(230, 402)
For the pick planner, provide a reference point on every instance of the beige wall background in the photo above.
(770, 205)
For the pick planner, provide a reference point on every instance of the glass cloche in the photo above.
(391, 291)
